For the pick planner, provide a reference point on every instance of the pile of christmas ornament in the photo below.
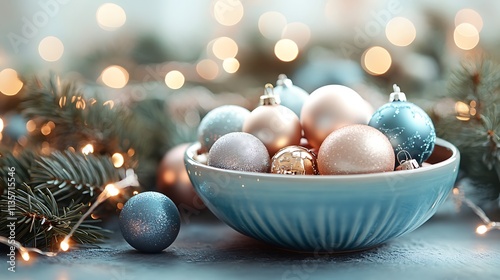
(332, 131)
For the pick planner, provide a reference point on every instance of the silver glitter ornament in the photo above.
(239, 151)
(220, 121)
(150, 222)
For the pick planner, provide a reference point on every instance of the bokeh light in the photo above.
(297, 32)
(30, 125)
(88, 149)
(110, 16)
(400, 31)
(466, 36)
(1, 125)
(286, 50)
(174, 79)
(271, 25)
(115, 76)
(228, 12)
(51, 48)
(231, 65)
(10, 84)
(224, 47)
(207, 69)
(117, 160)
(469, 16)
(376, 60)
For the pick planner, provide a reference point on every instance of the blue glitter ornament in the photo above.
(150, 222)
(220, 121)
(291, 96)
(406, 125)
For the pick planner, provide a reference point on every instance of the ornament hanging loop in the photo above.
(269, 98)
(407, 163)
(284, 81)
(397, 95)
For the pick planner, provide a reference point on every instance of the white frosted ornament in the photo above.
(275, 125)
(329, 108)
(291, 96)
(239, 151)
(220, 121)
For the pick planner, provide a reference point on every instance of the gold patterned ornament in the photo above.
(294, 160)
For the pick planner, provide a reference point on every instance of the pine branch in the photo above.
(41, 222)
(475, 129)
(21, 164)
(80, 118)
(72, 176)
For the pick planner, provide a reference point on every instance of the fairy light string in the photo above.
(487, 225)
(110, 190)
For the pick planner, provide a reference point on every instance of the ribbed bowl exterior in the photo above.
(324, 213)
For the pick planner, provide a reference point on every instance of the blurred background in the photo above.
(232, 45)
(188, 57)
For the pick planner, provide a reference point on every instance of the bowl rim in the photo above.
(193, 147)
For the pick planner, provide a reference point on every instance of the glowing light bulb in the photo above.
(228, 12)
(30, 126)
(469, 16)
(174, 79)
(88, 149)
(224, 47)
(117, 160)
(25, 255)
(115, 76)
(482, 229)
(112, 190)
(286, 50)
(207, 69)
(110, 16)
(10, 84)
(51, 48)
(400, 31)
(64, 245)
(376, 60)
(466, 36)
(231, 65)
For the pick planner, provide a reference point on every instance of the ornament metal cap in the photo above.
(397, 95)
(269, 98)
(407, 163)
(284, 81)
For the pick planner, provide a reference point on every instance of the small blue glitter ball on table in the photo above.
(150, 222)
(407, 126)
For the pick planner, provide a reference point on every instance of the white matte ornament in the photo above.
(329, 108)
(239, 151)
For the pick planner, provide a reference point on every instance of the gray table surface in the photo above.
(446, 247)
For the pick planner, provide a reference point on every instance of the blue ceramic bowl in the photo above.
(334, 213)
